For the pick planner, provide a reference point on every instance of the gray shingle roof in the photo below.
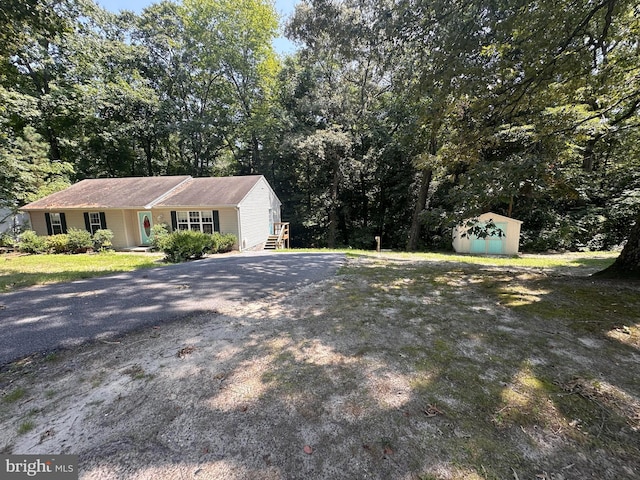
(210, 192)
(144, 192)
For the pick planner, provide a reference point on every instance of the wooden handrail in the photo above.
(283, 233)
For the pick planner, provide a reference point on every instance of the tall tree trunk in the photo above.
(628, 262)
(421, 203)
(148, 153)
(333, 207)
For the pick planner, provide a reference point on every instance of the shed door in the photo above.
(478, 245)
(494, 245)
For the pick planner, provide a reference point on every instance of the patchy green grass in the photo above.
(14, 395)
(495, 352)
(17, 271)
(596, 260)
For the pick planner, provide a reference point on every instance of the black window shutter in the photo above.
(216, 221)
(87, 222)
(174, 220)
(63, 221)
(47, 218)
(103, 220)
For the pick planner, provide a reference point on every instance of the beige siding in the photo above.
(38, 223)
(254, 215)
(119, 222)
(122, 223)
(227, 215)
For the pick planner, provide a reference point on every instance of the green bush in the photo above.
(57, 243)
(102, 240)
(224, 242)
(30, 242)
(159, 234)
(79, 240)
(6, 240)
(183, 245)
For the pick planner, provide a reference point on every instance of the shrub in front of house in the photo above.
(159, 234)
(80, 241)
(184, 245)
(222, 242)
(102, 240)
(57, 243)
(30, 242)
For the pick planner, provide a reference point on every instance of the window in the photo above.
(199, 221)
(94, 221)
(56, 224)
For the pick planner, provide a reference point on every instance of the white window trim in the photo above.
(56, 223)
(190, 221)
(95, 222)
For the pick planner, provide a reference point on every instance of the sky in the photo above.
(283, 7)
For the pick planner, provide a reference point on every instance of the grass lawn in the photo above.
(17, 271)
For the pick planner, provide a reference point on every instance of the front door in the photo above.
(145, 222)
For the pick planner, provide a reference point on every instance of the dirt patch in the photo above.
(393, 369)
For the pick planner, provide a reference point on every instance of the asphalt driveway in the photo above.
(48, 317)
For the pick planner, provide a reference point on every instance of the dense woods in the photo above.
(394, 117)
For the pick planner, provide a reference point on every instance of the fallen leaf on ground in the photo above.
(183, 352)
(432, 411)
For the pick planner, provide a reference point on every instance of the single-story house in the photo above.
(508, 243)
(245, 206)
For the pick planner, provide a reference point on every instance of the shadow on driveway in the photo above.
(44, 318)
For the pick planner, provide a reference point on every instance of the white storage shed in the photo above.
(506, 244)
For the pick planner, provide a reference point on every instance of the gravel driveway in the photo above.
(44, 318)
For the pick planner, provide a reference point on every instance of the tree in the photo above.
(339, 86)
(233, 58)
(27, 172)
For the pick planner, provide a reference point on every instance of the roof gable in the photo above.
(496, 217)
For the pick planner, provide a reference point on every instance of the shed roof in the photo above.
(497, 217)
(210, 191)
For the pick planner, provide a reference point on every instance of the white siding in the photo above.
(254, 215)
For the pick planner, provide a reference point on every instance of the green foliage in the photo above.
(6, 239)
(102, 240)
(159, 234)
(222, 242)
(57, 243)
(183, 245)
(396, 119)
(30, 242)
(80, 241)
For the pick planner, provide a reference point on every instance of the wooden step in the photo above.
(271, 243)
